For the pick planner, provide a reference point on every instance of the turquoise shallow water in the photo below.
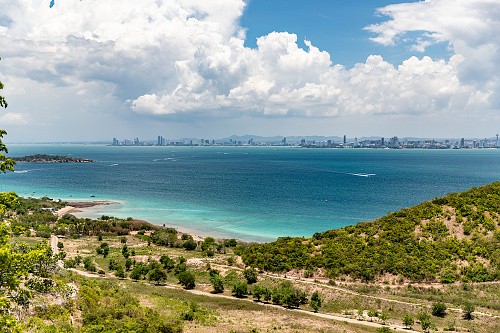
(252, 193)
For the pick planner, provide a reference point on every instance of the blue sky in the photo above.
(333, 26)
(91, 70)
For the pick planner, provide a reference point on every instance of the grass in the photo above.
(200, 313)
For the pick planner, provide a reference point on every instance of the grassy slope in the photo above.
(447, 239)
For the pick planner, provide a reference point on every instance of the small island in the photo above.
(41, 158)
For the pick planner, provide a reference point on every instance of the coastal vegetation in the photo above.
(424, 266)
(448, 239)
(6, 164)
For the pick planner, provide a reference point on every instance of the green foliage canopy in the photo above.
(6, 164)
(426, 242)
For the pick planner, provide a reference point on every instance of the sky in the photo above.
(86, 70)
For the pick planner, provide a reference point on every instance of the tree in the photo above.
(268, 295)
(157, 275)
(89, 265)
(125, 252)
(315, 302)
(6, 164)
(251, 275)
(240, 289)
(439, 309)
(187, 279)
(384, 317)
(167, 262)
(468, 311)
(120, 272)
(425, 321)
(136, 273)
(190, 245)
(258, 292)
(408, 321)
(217, 284)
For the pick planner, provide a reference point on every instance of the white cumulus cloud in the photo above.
(11, 118)
(185, 57)
(470, 27)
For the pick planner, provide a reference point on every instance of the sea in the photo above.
(254, 194)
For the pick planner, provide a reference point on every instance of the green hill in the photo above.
(448, 239)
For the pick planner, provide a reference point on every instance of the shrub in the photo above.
(408, 321)
(187, 279)
(468, 310)
(240, 290)
(156, 275)
(217, 284)
(315, 302)
(250, 275)
(439, 309)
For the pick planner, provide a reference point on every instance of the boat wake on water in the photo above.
(357, 174)
(361, 174)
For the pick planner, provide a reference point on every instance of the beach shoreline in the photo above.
(79, 206)
(85, 209)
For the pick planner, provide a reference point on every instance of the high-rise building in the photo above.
(345, 140)
(462, 143)
(394, 142)
(161, 141)
(115, 142)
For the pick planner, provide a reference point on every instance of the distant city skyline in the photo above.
(319, 142)
(84, 70)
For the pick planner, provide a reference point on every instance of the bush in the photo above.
(384, 329)
(240, 290)
(187, 279)
(251, 275)
(408, 321)
(259, 292)
(315, 302)
(425, 321)
(439, 309)
(69, 263)
(157, 275)
(120, 273)
(217, 284)
(89, 265)
(189, 245)
(468, 310)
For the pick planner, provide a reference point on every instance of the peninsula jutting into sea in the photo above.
(393, 142)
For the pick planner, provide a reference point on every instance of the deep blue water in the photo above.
(252, 193)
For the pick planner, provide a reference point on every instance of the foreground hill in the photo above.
(448, 239)
(124, 275)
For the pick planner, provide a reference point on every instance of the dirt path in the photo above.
(351, 292)
(53, 244)
(316, 314)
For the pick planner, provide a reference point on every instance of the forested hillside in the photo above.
(448, 239)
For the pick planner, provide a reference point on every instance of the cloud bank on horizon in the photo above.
(185, 59)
